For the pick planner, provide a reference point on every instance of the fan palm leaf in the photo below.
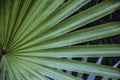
(36, 37)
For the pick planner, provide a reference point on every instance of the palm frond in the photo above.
(38, 40)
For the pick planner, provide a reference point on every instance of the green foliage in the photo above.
(34, 39)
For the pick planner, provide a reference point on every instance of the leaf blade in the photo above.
(77, 66)
(76, 21)
(77, 51)
(88, 34)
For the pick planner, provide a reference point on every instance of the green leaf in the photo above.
(77, 51)
(6, 5)
(25, 74)
(3, 69)
(58, 15)
(35, 18)
(104, 8)
(77, 66)
(2, 24)
(84, 35)
(50, 72)
(8, 69)
(23, 7)
(12, 17)
(38, 36)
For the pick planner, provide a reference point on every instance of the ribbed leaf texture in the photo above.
(54, 40)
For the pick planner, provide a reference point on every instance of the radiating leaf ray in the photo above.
(77, 51)
(55, 74)
(10, 73)
(28, 71)
(48, 7)
(33, 72)
(23, 72)
(23, 16)
(39, 38)
(7, 4)
(13, 69)
(23, 8)
(77, 66)
(13, 15)
(74, 22)
(3, 69)
(58, 15)
(2, 19)
(88, 34)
